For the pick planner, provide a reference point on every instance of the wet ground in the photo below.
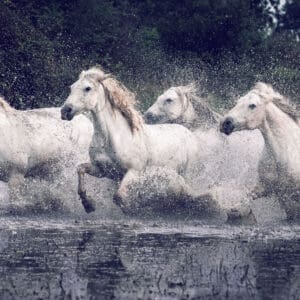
(50, 259)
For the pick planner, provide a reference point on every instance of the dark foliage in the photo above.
(149, 44)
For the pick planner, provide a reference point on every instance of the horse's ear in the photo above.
(82, 74)
(106, 76)
(265, 90)
(100, 79)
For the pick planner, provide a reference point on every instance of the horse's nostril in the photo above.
(67, 109)
(149, 116)
(228, 122)
(66, 112)
(227, 126)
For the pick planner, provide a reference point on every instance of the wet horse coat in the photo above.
(278, 121)
(229, 164)
(182, 105)
(123, 146)
(36, 142)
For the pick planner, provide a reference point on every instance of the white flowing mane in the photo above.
(118, 95)
(267, 92)
(200, 105)
(5, 105)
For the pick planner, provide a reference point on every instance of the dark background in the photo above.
(226, 45)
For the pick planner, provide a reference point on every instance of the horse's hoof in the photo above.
(117, 199)
(119, 202)
(88, 204)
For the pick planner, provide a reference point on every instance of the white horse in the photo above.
(181, 105)
(123, 147)
(35, 142)
(278, 121)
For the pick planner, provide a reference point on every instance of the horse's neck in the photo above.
(189, 117)
(206, 118)
(282, 137)
(111, 127)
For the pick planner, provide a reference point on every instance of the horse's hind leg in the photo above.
(91, 169)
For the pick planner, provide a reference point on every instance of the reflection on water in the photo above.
(142, 261)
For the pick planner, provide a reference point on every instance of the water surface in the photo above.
(54, 259)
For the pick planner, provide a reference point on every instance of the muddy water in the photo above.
(83, 259)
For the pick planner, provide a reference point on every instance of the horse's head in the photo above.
(168, 107)
(86, 93)
(250, 110)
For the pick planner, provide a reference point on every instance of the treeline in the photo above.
(226, 45)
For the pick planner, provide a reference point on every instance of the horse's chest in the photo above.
(281, 166)
(288, 161)
(128, 154)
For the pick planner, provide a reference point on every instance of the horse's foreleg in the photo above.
(15, 182)
(122, 192)
(93, 170)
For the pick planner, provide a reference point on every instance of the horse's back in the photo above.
(170, 134)
(50, 118)
(49, 136)
(171, 145)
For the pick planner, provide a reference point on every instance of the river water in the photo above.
(80, 258)
(51, 249)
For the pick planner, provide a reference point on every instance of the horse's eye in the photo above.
(87, 89)
(252, 106)
(169, 100)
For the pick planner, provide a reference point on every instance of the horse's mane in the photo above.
(283, 103)
(200, 105)
(5, 105)
(118, 95)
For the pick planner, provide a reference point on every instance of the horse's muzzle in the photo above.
(227, 126)
(67, 112)
(150, 118)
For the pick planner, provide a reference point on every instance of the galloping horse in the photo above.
(123, 146)
(278, 121)
(35, 142)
